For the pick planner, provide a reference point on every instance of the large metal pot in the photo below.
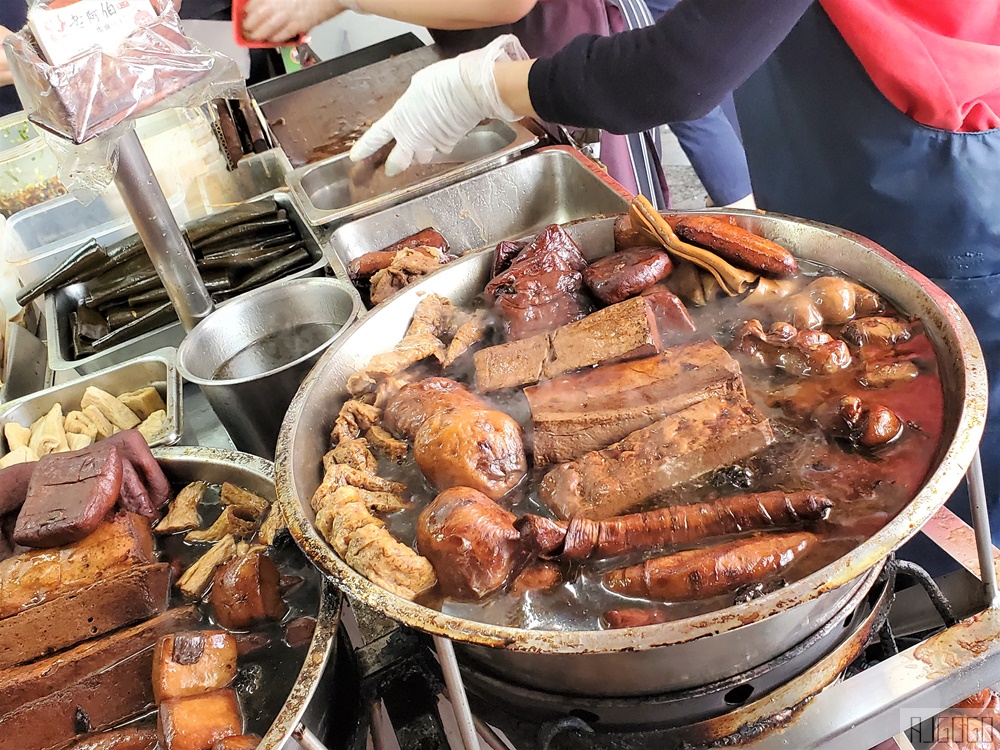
(308, 701)
(675, 655)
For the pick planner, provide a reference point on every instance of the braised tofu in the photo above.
(33, 577)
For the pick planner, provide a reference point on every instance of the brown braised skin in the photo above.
(471, 541)
(478, 448)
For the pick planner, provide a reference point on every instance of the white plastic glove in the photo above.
(443, 102)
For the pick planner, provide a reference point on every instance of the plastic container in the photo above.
(16, 133)
(38, 239)
(27, 167)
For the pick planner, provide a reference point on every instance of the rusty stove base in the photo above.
(727, 712)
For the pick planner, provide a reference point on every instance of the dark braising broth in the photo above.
(868, 487)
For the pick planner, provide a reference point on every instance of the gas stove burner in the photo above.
(736, 708)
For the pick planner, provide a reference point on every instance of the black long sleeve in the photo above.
(679, 69)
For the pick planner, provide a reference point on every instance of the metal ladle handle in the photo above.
(164, 241)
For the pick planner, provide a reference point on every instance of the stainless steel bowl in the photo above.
(262, 330)
(183, 465)
(156, 369)
(675, 655)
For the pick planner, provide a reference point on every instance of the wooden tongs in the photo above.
(732, 280)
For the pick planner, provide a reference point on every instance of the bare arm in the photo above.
(5, 77)
(450, 14)
(278, 20)
(512, 83)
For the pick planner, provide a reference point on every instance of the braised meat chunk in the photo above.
(574, 414)
(542, 288)
(615, 278)
(471, 541)
(69, 496)
(478, 448)
(701, 438)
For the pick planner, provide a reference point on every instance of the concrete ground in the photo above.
(686, 190)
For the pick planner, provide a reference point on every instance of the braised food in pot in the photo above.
(692, 421)
(180, 622)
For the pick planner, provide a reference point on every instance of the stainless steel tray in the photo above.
(156, 369)
(59, 305)
(553, 186)
(24, 368)
(323, 190)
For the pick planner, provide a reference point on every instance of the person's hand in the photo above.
(5, 76)
(442, 104)
(281, 20)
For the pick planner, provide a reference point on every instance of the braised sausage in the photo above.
(681, 524)
(367, 264)
(634, 617)
(624, 274)
(713, 571)
(738, 245)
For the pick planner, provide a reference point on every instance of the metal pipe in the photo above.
(456, 692)
(487, 733)
(168, 249)
(981, 525)
(375, 726)
(307, 739)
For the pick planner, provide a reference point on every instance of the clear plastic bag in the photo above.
(85, 106)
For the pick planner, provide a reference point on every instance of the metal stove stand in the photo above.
(878, 685)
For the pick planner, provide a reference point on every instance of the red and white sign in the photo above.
(66, 29)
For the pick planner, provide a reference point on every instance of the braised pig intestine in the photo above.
(457, 439)
(829, 300)
(798, 352)
(471, 542)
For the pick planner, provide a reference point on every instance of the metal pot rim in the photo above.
(274, 289)
(932, 495)
(327, 613)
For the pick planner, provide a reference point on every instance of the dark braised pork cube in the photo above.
(247, 590)
(198, 722)
(193, 662)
